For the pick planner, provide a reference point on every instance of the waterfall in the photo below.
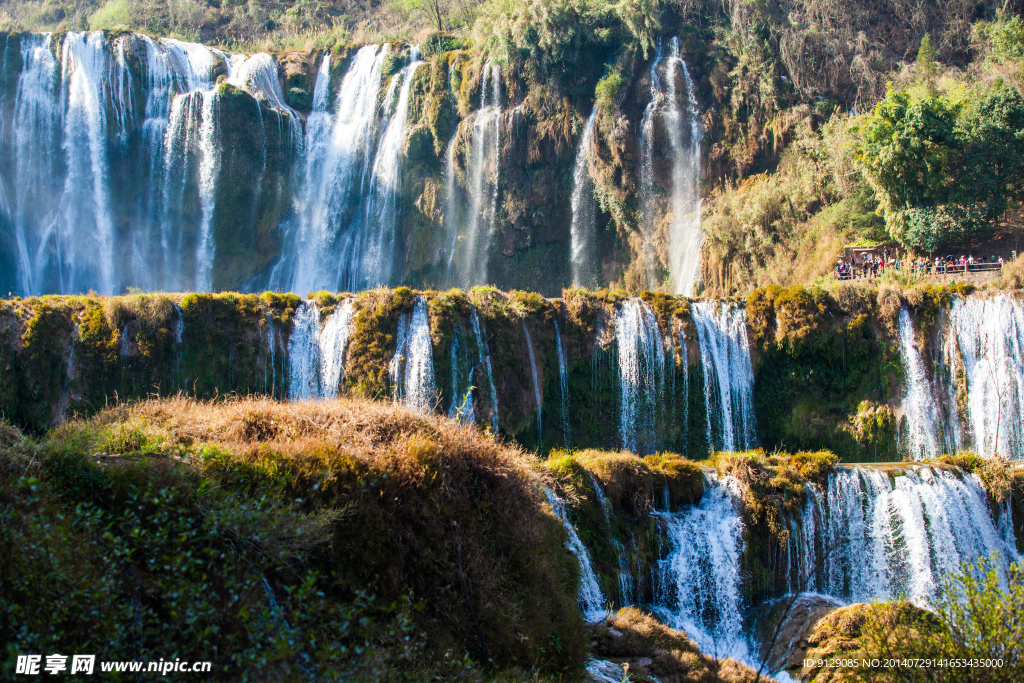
(316, 357)
(647, 201)
(483, 170)
(179, 337)
(919, 405)
(451, 219)
(563, 386)
(989, 339)
(257, 75)
(883, 536)
(728, 375)
(36, 186)
(304, 353)
(584, 258)
(333, 341)
(485, 361)
(536, 383)
(685, 235)
(106, 147)
(376, 246)
(697, 586)
(87, 244)
(591, 601)
(683, 129)
(337, 150)
(209, 168)
(641, 375)
(684, 360)
(461, 406)
(412, 367)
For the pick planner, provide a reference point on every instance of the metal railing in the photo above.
(928, 270)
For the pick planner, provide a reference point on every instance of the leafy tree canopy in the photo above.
(944, 170)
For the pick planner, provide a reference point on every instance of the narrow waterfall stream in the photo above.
(538, 400)
(412, 367)
(647, 149)
(919, 405)
(641, 376)
(563, 386)
(304, 353)
(483, 169)
(316, 356)
(583, 257)
(485, 362)
(591, 601)
(728, 375)
(684, 134)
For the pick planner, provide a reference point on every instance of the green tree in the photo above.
(907, 147)
(944, 171)
(926, 57)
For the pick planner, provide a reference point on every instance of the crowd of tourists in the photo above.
(875, 265)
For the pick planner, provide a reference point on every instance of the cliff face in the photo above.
(131, 161)
(796, 369)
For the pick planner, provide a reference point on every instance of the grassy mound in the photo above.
(654, 652)
(336, 540)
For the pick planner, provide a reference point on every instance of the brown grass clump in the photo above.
(424, 508)
(1011, 277)
(774, 486)
(651, 650)
(996, 473)
(848, 633)
(632, 484)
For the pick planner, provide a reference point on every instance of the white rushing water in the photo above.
(641, 376)
(697, 586)
(412, 367)
(485, 362)
(591, 600)
(728, 375)
(333, 342)
(538, 400)
(85, 123)
(582, 231)
(338, 152)
(375, 244)
(873, 535)
(685, 134)
(483, 167)
(971, 393)
(922, 423)
(563, 386)
(304, 353)
(680, 120)
(316, 354)
(989, 336)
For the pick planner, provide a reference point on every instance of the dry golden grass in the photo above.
(652, 650)
(326, 431)
(421, 506)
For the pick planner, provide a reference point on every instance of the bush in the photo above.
(976, 615)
